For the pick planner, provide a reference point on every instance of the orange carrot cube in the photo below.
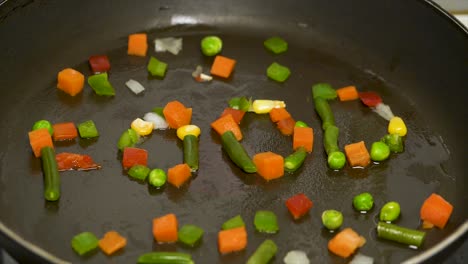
(137, 45)
(112, 242)
(38, 139)
(222, 66)
(165, 228)
(178, 174)
(232, 240)
(70, 81)
(303, 137)
(357, 154)
(269, 165)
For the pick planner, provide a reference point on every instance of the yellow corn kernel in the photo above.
(142, 127)
(397, 126)
(188, 130)
(265, 106)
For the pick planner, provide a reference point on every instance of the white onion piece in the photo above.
(205, 77)
(135, 86)
(384, 111)
(158, 121)
(173, 45)
(362, 259)
(296, 257)
(197, 72)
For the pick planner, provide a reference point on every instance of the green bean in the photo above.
(139, 172)
(379, 151)
(363, 202)
(237, 152)
(165, 258)
(295, 160)
(390, 212)
(394, 142)
(43, 124)
(157, 177)
(191, 151)
(324, 111)
(264, 253)
(330, 139)
(323, 90)
(400, 234)
(51, 174)
(332, 219)
(211, 45)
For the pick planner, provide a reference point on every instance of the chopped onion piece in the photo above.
(197, 72)
(296, 257)
(362, 259)
(384, 111)
(199, 76)
(135, 86)
(205, 77)
(158, 121)
(173, 45)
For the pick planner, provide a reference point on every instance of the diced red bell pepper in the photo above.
(286, 126)
(134, 156)
(299, 205)
(99, 63)
(72, 161)
(371, 99)
(237, 115)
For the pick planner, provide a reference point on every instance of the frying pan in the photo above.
(411, 52)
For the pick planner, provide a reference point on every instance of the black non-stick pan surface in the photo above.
(414, 55)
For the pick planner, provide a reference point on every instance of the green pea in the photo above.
(390, 212)
(139, 172)
(157, 177)
(43, 124)
(379, 151)
(301, 124)
(332, 219)
(363, 202)
(336, 160)
(211, 45)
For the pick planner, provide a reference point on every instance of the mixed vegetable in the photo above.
(233, 235)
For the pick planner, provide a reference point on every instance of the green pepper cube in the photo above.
(84, 243)
(276, 45)
(190, 234)
(159, 111)
(157, 67)
(240, 103)
(278, 72)
(139, 172)
(88, 129)
(266, 222)
(101, 85)
(234, 222)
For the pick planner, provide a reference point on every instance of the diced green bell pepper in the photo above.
(100, 84)
(276, 45)
(278, 72)
(88, 129)
(266, 222)
(84, 242)
(157, 67)
(190, 234)
(234, 222)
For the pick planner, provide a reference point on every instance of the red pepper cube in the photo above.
(299, 205)
(99, 63)
(286, 126)
(370, 99)
(134, 156)
(237, 115)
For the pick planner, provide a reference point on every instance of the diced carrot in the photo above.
(70, 81)
(111, 242)
(277, 114)
(436, 210)
(165, 228)
(177, 114)
(232, 240)
(222, 66)
(134, 156)
(237, 114)
(357, 154)
(38, 139)
(269, 165)
(178, 174)
(303, 137)
(137, 45)
(345, 243)
(227, 123)
(286, 126)
(347, 93)
(64, 131)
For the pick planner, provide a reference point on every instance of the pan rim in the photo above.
(425, 255)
